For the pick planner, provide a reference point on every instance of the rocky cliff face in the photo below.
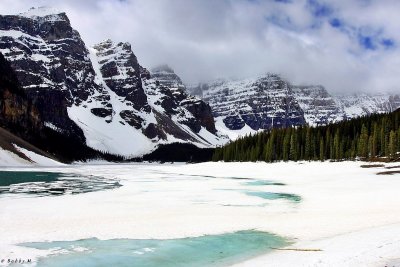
(175, 97)
(16, 112)
(121, 72)
(270, 101)
(260, 103)
(51, 63)
(364, 104)
(100, 95)
(319, 107)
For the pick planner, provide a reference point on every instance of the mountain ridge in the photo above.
(313, 102)
(100, 94)
(104, 99)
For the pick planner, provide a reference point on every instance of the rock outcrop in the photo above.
(261, 103)
(270, 101)
(100, 95)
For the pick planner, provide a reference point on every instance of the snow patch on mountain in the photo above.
(364, 104)
(257, 103)
(233, 134)
(37, 159)
(50, 13)
(109, 133)
(247, 105)
(319, 107)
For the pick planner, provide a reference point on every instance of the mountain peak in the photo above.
(44, 11)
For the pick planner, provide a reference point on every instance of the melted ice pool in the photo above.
(211, 250)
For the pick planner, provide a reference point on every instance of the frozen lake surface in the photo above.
(209, 214)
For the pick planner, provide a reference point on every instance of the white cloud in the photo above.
(206, 39)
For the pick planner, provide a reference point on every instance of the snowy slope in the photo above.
(100, 94)
(179, 114)
(124, 126)
(109, 133)
(319, 106)
(36, 159)
(365, 104)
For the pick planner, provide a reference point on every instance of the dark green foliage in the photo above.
(179, 152)
(366, 137)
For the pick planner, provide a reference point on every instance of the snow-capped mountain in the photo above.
(318, 105)
(100, 94)
(321, 108)
(245, 106)
(364, 104)
(103, 98)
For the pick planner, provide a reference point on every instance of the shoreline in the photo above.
(376, 246)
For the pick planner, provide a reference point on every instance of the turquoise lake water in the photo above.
(8, 178)
(51, 183)
(212, 250)
(272, 196)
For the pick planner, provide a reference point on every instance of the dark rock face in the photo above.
(202, 113)
(20, 116)
(16, 112)
(260, 103)
(121, 72)
(101, 112)
(131, 118)
(51, 63)
(175, 100)
(318, 105)
(234, 122)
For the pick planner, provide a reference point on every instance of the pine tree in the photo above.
(374, 141)
(307, 149)
(268, 154)
(336, 145)
(286, 145)
(321, 150)
(293, 146)
(392, 144)
(373, 136)
(363, 142)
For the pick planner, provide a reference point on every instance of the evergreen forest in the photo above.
(370, 137)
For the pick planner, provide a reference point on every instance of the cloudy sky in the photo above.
(346, 45)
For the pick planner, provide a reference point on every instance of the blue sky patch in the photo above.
(336, 23)
(319, 9)
(367, 42)
(387, 43)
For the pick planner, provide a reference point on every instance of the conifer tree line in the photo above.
(366, 137)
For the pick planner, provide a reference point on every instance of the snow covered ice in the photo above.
(347, 212)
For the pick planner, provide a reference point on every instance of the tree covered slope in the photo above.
(366, 137)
